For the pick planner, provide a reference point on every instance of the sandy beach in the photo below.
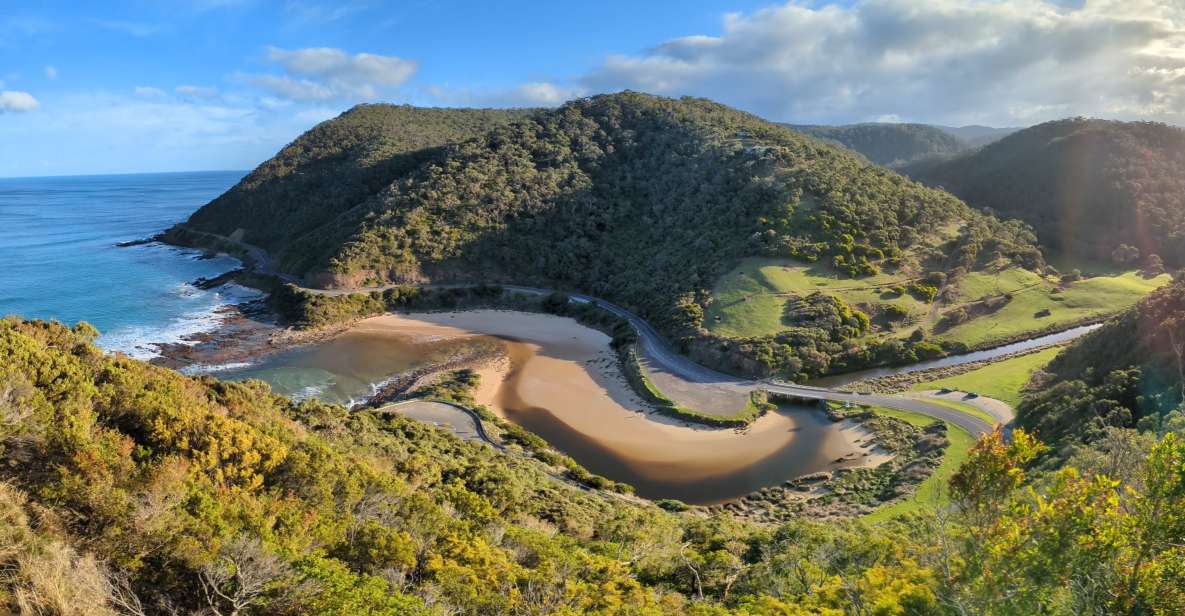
(567, 371)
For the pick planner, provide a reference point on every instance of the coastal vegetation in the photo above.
(284, 205)
(933, 491)
(131, 489)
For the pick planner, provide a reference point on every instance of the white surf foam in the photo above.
(199, 369)
(309, 391)
(141, 341)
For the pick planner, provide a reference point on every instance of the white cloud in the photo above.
(293, 89)
(149, 92)
(542, 94)
(190, 91)
(532, 94)
(51, 72)
(325, 73)
(122, 133)
(12, 101)
(951, 61)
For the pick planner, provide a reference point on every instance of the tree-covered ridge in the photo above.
(130, 489)
(1129, 373)
(285, 203)
(888, 144)
(643, 200)
(1094, 188)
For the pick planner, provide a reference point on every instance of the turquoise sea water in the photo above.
(58, 258)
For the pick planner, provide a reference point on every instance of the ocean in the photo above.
(59, 259)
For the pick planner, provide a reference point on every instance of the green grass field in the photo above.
(933, 491)
(749, 300)
(1002, 380)
(1087, 299)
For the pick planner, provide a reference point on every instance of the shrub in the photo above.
(923, 292)
(556, 302)
(934, 279)
(953, 317)
(927, 350)
(673, 504)
(893, 312)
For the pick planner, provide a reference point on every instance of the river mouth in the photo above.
(561, 381)
(351, 366)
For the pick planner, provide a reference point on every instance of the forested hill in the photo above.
(892, 145)
(639, 199)
(1092, 187)
(337, 165)
(978, 135)
(1129, 373)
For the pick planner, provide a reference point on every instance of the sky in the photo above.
(173, 85)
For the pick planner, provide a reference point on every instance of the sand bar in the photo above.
(562, 381)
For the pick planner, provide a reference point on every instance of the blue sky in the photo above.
(151, 85)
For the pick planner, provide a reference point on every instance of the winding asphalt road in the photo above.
(656, 349)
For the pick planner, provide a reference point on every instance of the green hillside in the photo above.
(986, 307)
(286, 203)
(1091, 188)
(1128, 373)
(642, 200)
(891, 145)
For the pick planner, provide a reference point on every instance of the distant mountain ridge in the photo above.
(977, 135)
(888, 144)
(897, 145)
(1089, 187)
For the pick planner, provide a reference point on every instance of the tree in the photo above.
(242, 574)
(1125, 254)
(1153, 265)
(994, 468)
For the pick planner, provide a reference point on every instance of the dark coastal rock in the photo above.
(139, 242)
(209, 283)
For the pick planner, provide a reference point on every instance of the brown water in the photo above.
(350, 366)
(703, 467)
(564, 386)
